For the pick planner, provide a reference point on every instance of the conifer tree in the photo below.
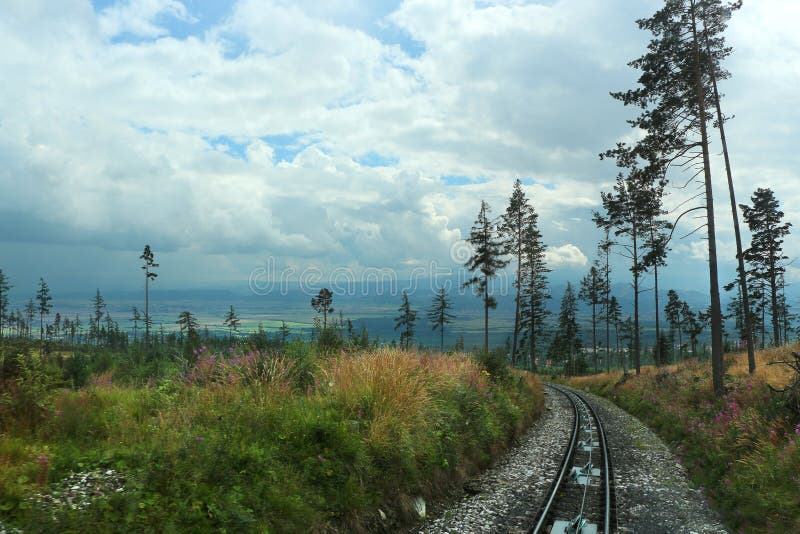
(43, 298)
(692, 327)
(30, 313)
(5, 287)
(323, 303)
(57, 325)
(765, 254)
(439, 314)
(405, 322)
(77, 328)
(604, 249)
(232, 321)
(674, 96)
(674, 313)
(284, 333)
(614, 317)
(135, 318)
(487, 260)
(515, 221)
(110, 328)
(591, 292)
(147, 266)
(567, 341)
(98, 305)
(716, 15)
(626, 334)
(631, 209)
(656, 257)
(535, 291)
(189, 323)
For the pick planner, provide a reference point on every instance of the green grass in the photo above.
(289, 442)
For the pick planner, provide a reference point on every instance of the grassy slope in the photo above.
(744, 449)
(260, 443)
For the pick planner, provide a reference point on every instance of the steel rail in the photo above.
(608, 489)
(567, 458)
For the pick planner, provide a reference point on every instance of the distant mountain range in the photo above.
(373, 306)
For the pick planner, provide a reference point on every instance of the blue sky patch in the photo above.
(147, 129)
(454, 179)
(287, 146)
(550, 186)
(204, 14)
(235, 45)
(391, 35)
(373, 159)
(233, 149)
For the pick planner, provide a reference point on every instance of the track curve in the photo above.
(581, 496)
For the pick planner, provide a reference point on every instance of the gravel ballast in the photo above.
(653, 494)
(506, 497)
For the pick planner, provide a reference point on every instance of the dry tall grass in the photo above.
(777, 375)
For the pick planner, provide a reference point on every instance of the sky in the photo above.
(261, 136)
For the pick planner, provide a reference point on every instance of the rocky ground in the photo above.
(652, 491)
(506, 497)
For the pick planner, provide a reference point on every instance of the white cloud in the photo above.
(568, 255)
(121, 136)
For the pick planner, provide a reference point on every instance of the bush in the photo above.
(268, 441)
(495, 362)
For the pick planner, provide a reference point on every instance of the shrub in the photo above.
(268, 441)
(495, 362)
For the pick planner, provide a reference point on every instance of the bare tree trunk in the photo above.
(773, 287)
(716, 311)
(607, 299)
(532, 328)
(748, 322)
(594, 335)
(486, 318)
(658, 354)
(146, 311)
(516, 306)
(636, 359)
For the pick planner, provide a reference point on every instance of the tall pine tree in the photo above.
(43, 299)
(675, 96)
(567, 341)
(592, 293)
(5, 287)
(232, 321)
(513, 228)
(487, 260)
(405, 322)
(98, 306)
(765, 254)
(535, 294)
(148, 265)
(323, 303)
(439, 314)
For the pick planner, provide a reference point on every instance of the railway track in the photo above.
(581, 497)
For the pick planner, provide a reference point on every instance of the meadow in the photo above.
(244, 440)
(743, 449)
